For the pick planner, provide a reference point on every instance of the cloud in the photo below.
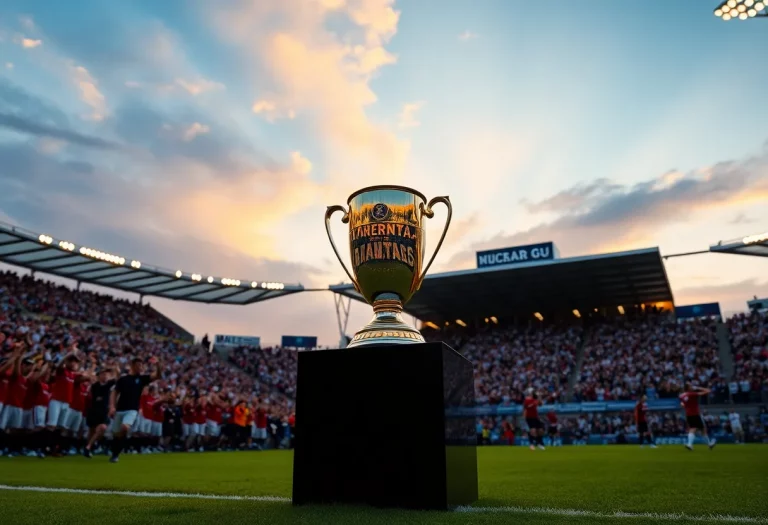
(33, 128)
(741, 218)
(194, 130)
(29, 43)
(322, 75)
(605, 216)
(300, 164)
(467, 35)
(271, 111)
(576, 198)
(89, 92)
(407, 117)
(198, 86)
(9, 65)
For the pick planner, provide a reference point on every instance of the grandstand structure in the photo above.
(40, 252)
(543, 289)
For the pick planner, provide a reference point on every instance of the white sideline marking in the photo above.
(551, 511)
(145, 494)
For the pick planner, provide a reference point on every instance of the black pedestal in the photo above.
(385, 426)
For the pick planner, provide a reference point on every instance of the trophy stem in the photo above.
(387, 325)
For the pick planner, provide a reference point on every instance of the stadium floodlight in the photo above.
(102, 256)
(577, 313)
(254, 284)
(461, 323)
(210, 279)
(538, 316)
(45, 239)
(64, 245)
(178, 273)
(432, 325)
(621, 310)
(136, 264)
(741, 9)
(196, 277)
(752, 239)
(494, 320)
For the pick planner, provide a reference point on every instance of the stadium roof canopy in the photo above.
(559, 285)
(43, 253)
(756, 245)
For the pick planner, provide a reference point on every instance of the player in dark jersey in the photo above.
(689, 400)
(97, 414)
(641, 420)
(125, 399)
(531, 414)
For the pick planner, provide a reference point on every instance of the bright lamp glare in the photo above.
(718, 12)
(759, 6)
(726, 17)
(752, 12)
(743, 16)
(741, 8)
(749, 3)
(731, 3)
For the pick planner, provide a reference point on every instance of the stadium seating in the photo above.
(57, 301)
(749, 341)
(653, 354)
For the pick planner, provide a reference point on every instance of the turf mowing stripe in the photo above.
(552, 511)
(145, 494)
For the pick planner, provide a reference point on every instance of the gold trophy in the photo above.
(387, 242)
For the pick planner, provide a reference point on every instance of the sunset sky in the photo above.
(210, 136)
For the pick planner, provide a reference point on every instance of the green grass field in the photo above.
(515, 485)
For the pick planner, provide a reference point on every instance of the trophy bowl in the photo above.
(386, 243)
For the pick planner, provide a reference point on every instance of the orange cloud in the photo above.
(89, 92)
(407, 117)
(29, 43)
(324, 76)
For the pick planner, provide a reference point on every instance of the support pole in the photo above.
(342, 309)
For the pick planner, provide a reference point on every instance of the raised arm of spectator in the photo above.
(114, 395)
(702, 391)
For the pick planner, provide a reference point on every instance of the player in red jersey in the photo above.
(531, 414)
(553, 428)
(507, 430)
(62, 389)
(188, 422)
(215, 416)
(142, 428)
(689, 400)
(260, 425)
(157, 418)
(641, 413)
(76, 416)
(201, 417)
(12, 418)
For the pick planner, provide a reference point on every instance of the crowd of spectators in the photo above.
(652, 354)
(274, 367)
(749, 341)
(50, 319)
(509, 360)
(57, 301)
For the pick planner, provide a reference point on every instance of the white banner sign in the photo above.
(237, 340)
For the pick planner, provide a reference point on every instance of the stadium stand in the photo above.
(749, 341)
(653, 355)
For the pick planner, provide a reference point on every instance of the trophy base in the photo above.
(387, 326)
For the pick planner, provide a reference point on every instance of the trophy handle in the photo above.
(345, 220)
(428, 212)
